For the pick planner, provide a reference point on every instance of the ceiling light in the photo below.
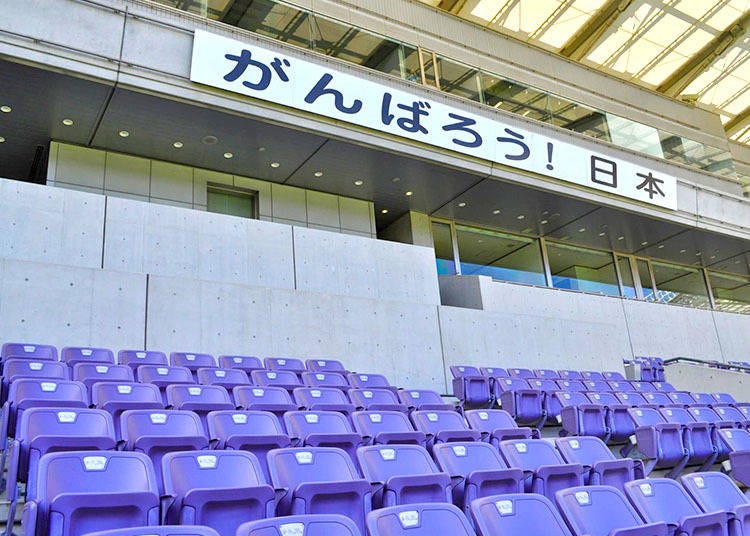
(602, 233)
(713, 256)
(275, 165)
(124, 133)
(67, 122)
(395, 179)
(462, 204)
(697, 253)
(261, 149)
(544, 222)
(228, 155)
(660, 246)
(384, 211)
(359, 182)
(620, 238)
(520, 217)
(318, 173)
(177, 145)
(2, 140)
(409, 193)
(644, 243)
(582, 230)
(683, 251)
(6, 109)
(496, 211)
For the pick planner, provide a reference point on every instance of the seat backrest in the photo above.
(223, 424)
(542, 384)
(489, 420)
(163, 376)
(226, 377)
(325, 379)
(596, 385)
(278, 377)
(120, 395)
(139, 424)
(493, 372)
(571, 398)
(703, 398)
(517, 514)
(660, 499)
(724, 398)
(325, 365)
(643, 387)
(676, 415)
(645, 416)
(307, 397)
(736, 439)
(681, 397)
(522, 373)
(604, 398)
(585, 450)
(48, 423)
(15, 368)
(31, 392)
(596, 510)
(703, 414)
(248, 397)
(631, 398)
(76, 354)
(613, 375)
(460, 371)
(191, 360)
(168, 530)
(464, 457)
(303, 525)
(301, 424)
(546, 374)
(136, 358)
(570, 374)
(571, 385)
(381, 462)
(370, 423)
(620, 386)
(364, 398)
(713, 491)
(243, 362)
(432, 422)
(419, 397)
(511, 384)
(419, 520)
(24, 350)
(285, 363)
(660, 399)
(368, 381)
(529, 454)
(729, 413)
(592, 375)
(290, 467)
(198, 397)
(91, 373)
(215, 469)
(665, 387)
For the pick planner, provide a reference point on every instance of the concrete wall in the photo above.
(131, 177)
(700, 379)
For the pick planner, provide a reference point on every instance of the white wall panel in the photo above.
(734, 335)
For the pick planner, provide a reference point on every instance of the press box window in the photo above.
(232, 201)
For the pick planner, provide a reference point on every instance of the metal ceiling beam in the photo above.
(452, 6)
(691, 69)
(583, 41)
(738, 122)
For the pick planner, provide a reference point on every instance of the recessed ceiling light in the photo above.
(712, 257)
(67, 122)
(228, 155)
(620, 238)
(178, 145)
(582, 230)
(544, 222)
(2, 140)
(6, 109)
(644, 243)
(602, 233)
(318, 173)
(462, 204)
(395, 179)
(660, 246)
(683, 251)
(520, 217)
(697, 253)
(261, 149)
(544, 213)
(210, 140)
(124, 133)
(496, 211)
(384, 211)
(275, 165)
(409, 193)
(359, 182)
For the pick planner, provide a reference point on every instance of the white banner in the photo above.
(295, 82)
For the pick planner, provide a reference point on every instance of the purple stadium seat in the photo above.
(74, 354)
(443, 426)
(703, 399)
(136, 358)
(22, 350)
(386, 427)
(274, 399)
(287, 379)
(603, 511)
(251, 431)
(376, 400)
(228, 378)
(192, 361)
(471, 387)
(592, 375)
(86, 491)
(579, 417)
(419, 520)
(497, 425)
(681, 398)
(665, 387)
(544, 469)
(114, 398)
(730, 414)
(325, 379)
(493, 372)
(660, 442)
(631, 398)
(243, 362)
(161, 377)
(285, 363)
(154, 433)
(620, 424)
(550, 404)
(736, 443)
(14, 369)
(319, 480)
(724, 399)
(423, 399)
(599, 464)
(323, 399)
(698, 436)
(200, 399)
(476, 470)
(611, 375)
(322, 429)
(304, 525)
(517, 515)
(370, 381)
(326, 365)
(571, 385)
(715, 491)
(218, 489)
(643, 387)
(522, 373)
(596, 386)
(620, 386)
(662, 499)
(570, 375)
(403, 474)
(657, 399)
(168, 530)
(546, 374)
(90, 373)
(525, 404)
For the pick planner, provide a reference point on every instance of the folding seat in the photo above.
(525, 404)
(579, 417)
(114, 398)
(620, 386)
(611, 375)
(419, 520)
(385, 428)
(319, 480)
(544, 470)
(251, 431)
(476, 470)
(443, 427)
(218, 489)
(517, 514)
(274, 399)
(599, 464)
(403, 474)
(620, 424)
(304, 525)
(192, 361)
(662, 499)
(72, 355)
(322, 429)
(90, 373)
(658, 441)
(14, 369)
(698, 437)
(423, 399)
(596, 386)
(323, 399)
(664, 387)
(376, 400)
(592, 375)
(550, 405)
(200, 399)
(136, 358)
(86, 491)
(522, 373)
(326, 365)
(704, 399)
(707, 414)
(168, 530)
(724, 399)
(736, 443)
(681, 398)
(631, 398)
(325, 379)
(603, 511)
(657, 399)
(571, 385)
(370, 381)
(497, 425)
(285, 363)
(276, 378)
(493, 372)
(228, 378)
(643, 387)
(470, 387)
(731, 414)
(546, 374)
(714, 491)
(22, 350)
(161, 377)
(154, 433)
(242, 362)
(570, 374)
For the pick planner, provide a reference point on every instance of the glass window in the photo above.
(278, 21)
(443, 242)
(500, 256)
(731, 291)
(644, 273)
(428, 66)
(680, 285)
(459, 79)
(582, 269)
(626, 277)
(231, 202)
